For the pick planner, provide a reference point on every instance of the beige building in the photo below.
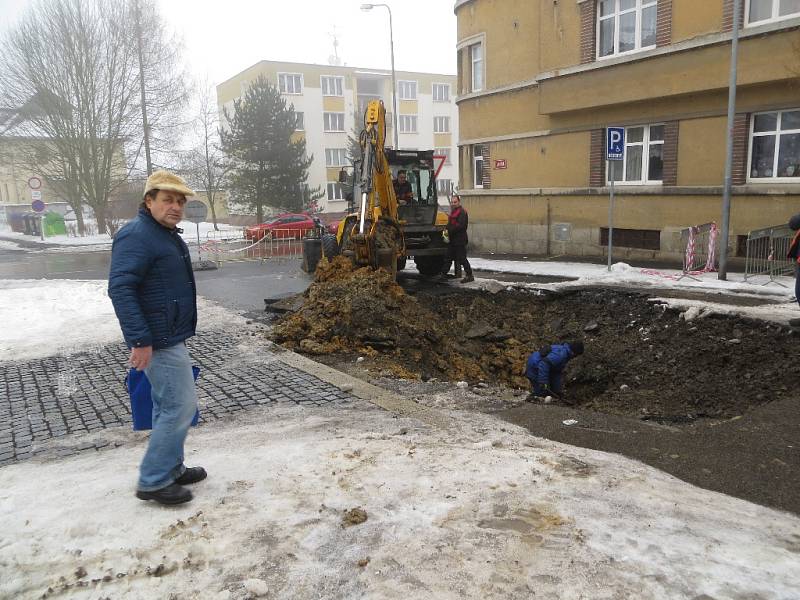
(540, 80)
(330, 102)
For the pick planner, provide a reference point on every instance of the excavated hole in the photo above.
(642, 359)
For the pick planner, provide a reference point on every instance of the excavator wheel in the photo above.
(330, 247)
(430, 265)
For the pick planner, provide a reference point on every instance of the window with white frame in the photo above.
(444, 187)
(625, 26)
(335, 157)
(290, 83)
(477, 167)
(441, 92)
(476, 67)
(299, 121)
(644, 157)
(407, 90)
(775, 146)
(408, 124)
(764, 11)
(332, 86)
(335, 191)
(441, 124)
(443, 152)
(333, 121)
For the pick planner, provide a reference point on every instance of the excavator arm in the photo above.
(376, 237)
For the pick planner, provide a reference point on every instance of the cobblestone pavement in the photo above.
(48, 398)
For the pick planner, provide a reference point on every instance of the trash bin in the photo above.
(312, 253)
(26, 222)
(36, 224)
(54, 224)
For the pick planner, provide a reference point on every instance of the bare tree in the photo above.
(72, 73)
(205, 163)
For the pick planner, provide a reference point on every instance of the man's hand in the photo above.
(140, 357)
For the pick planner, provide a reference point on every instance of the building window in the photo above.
(644, 156)
(335, 157)
(643, 239)
(476, 68)
(775, 146)
(335, 191)
(444, 187)
(408, 124)
(625, 26)
(407, 90)
(299, 121)
(764, 11)
(290, 83)
(441, 124)
(445, 152)
(334, 122)
(441, 92)
(477, 167)
(332, 86)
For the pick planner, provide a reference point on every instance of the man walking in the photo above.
(152, 288)
(457, 225)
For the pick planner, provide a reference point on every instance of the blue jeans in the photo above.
(174, 404)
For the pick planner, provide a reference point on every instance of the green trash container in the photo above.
(54, 224)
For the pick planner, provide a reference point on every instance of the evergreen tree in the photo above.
(267, 166)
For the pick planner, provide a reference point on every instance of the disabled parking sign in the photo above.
(615, 143)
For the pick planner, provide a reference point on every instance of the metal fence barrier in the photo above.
(700, 256)
(275, 244)
(766, 254)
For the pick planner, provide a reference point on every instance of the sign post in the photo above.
(615, 151)
(36, 202)
(196, 211)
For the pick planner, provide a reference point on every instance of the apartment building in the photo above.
(540, 80)
(330, 102)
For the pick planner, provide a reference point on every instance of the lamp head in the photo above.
(366, 7)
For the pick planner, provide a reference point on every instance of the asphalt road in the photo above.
(240, 286)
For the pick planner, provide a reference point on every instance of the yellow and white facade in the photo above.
(540, 80)
(330, 102)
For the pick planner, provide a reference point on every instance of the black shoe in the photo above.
(192, 475)
(172, 494)
(468, 279)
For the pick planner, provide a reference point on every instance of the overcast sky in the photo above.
(224, 37)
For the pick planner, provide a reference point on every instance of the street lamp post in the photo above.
(367, 7)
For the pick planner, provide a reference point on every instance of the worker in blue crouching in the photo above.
(545, 368)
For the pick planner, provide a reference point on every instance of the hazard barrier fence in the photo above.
(700, 243)
(275, 244)
(766, 255)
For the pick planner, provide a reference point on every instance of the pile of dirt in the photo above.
(641, 358)
(364, 312)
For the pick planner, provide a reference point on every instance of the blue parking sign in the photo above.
(615, 143)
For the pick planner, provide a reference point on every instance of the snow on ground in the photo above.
(625, 274)
(7, 245)
(479, 510)
(59, 317)
(472, 512)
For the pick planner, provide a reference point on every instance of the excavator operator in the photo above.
(402, 188)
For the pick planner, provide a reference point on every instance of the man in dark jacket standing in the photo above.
(794, 254)
(457, 225)
(152, 288)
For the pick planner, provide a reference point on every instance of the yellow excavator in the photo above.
(382, 232)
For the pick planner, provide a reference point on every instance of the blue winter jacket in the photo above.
(547, 371)
(151, 284)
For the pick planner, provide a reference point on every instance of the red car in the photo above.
(287, 226)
